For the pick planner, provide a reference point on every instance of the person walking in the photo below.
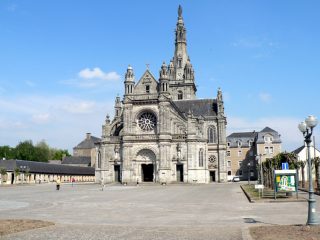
(58, 184)
(72, 181)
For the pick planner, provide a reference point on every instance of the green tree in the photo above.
(274, 163)
(58, 154)
(7, 152)
(3, 173)
(25, 150)
(41, 152)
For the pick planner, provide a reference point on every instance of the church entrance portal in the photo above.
(147, 159)
(179, 172)
(212, 176)
(117, 173)
(147, 172)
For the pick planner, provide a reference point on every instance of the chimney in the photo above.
(88, 136)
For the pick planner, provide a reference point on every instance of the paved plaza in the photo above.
(211, 211)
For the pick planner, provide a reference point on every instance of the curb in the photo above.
(305, 190)
(246, 234)
(247, 195)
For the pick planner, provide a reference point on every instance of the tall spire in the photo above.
(180, 53)
(180, 71)
(180, 11)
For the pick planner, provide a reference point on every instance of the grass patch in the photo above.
(292, 232)
(268, 193)
(9, 226)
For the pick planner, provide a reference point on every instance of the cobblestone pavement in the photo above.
(213, 211)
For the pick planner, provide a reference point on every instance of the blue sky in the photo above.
(62, 62)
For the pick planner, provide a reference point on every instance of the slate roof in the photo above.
(199, 107)
(77, 160)
(267, 129)
(243, 135)
(298, 150)
(46, 168)
(88, 143)
(7, 164)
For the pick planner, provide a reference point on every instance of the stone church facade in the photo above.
(160, 131)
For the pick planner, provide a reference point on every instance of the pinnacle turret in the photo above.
(129, 81)
(164, 78)
(117, 107)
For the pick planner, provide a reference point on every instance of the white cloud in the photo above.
(61, 120)
(17, 125)
(286, 126)
(79, 107)
(265, 97)
(97, 73)
(41, 118)
(88, 78)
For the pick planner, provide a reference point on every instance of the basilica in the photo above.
(161, 132)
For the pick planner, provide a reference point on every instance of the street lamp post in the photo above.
(306, 128)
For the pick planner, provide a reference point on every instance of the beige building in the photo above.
(244, 150)
(22, 171)
(84, 154)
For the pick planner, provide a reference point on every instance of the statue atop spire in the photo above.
(180, 11)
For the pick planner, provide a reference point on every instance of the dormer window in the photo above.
(228, 144)
(268, 139)
(250, 143)
(239, 144)
(147, 88)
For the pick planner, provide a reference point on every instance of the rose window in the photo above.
(147, 121)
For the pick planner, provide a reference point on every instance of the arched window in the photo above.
(180, 95)
(201, 157)
(229, 173)
(212, 134)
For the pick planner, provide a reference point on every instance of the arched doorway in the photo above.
(148, 165)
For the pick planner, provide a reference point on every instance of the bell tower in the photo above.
(181, 73)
